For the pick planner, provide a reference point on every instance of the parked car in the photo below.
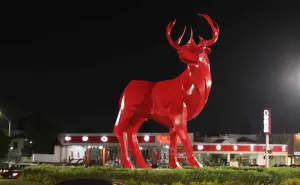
(253, 165)
(10, 173)
(14, 171)
(279, 165)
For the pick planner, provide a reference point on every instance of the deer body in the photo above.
(171, 102)
(190, 87)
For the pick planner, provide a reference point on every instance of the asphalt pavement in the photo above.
(2, 180)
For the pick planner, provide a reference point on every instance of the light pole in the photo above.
(9, 123)
(267, 131)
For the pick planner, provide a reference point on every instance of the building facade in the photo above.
(103, 149)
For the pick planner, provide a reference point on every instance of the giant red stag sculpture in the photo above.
(171, 102)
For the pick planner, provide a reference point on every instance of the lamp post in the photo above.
(267, 131)
(9, 123)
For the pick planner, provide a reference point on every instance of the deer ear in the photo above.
(207, 50)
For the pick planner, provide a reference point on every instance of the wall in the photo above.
(49, 158)
(61, 154)
(45, 158)
(260, 159)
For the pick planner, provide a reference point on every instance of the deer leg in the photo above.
(173, 149)
(119, 129)
(180, 124)
(134, 145)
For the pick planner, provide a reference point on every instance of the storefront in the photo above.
(103, 149)
(239, 154)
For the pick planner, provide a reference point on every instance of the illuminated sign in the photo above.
(200, 147)
(85, 138)
(267, 121)
(104, 139)
(296, 153)
(235, 147)
(181, 155)
(284, 148)
(68, 138)
(252, 147)
(146, 138)
(164, 139)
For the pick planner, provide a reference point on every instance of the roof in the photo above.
(221, 141)
(19, 136)
(245, 140)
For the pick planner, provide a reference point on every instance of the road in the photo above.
(2, 180)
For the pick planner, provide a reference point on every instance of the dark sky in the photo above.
(71, 61)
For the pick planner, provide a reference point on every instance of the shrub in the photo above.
(132, 182)
(50, 175)
(280, 174)
(294, 181)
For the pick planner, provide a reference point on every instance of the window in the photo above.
(15, 145)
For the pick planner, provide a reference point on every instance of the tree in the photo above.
(4, 144)
(41, 132)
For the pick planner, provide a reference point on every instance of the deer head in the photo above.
(190, 52)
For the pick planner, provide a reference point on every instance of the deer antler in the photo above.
(215, 30)
(191, 42)
(174, 44)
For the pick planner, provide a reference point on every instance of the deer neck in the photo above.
(196, 77)
(192, 74)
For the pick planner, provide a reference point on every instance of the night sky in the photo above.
(71, 61)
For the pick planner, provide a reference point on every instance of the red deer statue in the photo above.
(171, 102)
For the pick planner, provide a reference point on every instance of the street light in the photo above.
(9, 123)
